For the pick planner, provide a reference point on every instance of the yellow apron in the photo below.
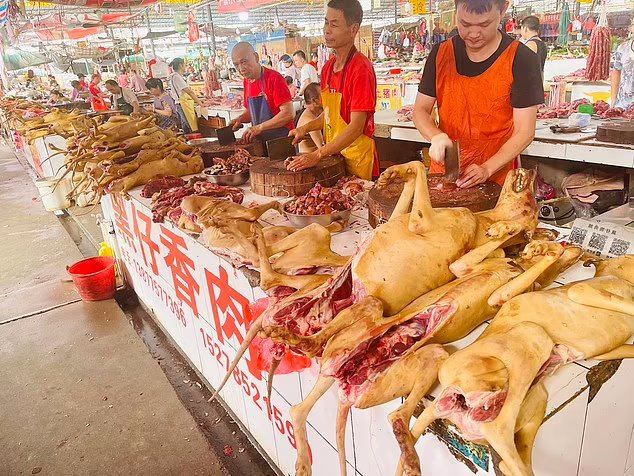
(188, 105)
(359, 155)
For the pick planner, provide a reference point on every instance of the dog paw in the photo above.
(503, 229)
(542, 248)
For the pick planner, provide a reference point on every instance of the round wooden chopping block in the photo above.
(271, 179)
(212, 151)
(381, 202)
(621, 132)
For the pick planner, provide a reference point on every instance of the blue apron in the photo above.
(261, 112)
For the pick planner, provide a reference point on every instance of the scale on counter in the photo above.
(557, 211)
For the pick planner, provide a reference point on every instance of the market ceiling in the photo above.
(224, 12)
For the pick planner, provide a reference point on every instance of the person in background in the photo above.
(314, 109)
(123, 99)
(164, 105)
(529, 31)
(266, 61)
(81, 77)
(313, 60)
(184, 97)
(291, 86)
(137, 83)
(307, 74)
(268, 103)
(52, 82)
(287, 68)
(348, 94)
(56, 97)
(96, 94)
(80, 93)
(124, 78)
(487, 87)
(622, 77)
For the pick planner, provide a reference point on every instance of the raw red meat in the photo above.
(320, 201)
(598, 65)
(161, 183)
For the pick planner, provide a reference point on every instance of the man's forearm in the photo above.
(513, 147)
(243, 118)
(425, 124)
(343, 140)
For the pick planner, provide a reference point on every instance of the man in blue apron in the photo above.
(268, 100)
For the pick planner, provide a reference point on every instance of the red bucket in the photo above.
(94, 278)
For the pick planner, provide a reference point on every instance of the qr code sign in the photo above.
(618, 247)
(577, 236)
(597, 241)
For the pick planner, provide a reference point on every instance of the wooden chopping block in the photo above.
(211, 151)
(381, 202)
(621, 132)
(271, 179)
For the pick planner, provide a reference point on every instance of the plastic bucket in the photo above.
(94, 278)
(54, 199)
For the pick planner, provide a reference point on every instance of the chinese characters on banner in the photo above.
(204, 307)
(389, 96)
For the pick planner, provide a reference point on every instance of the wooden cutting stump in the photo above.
(271, 179)
(381, 202)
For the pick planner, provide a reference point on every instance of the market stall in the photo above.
(203, 303)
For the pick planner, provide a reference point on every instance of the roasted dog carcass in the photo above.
(492, 389)
(377, 359)
(407, 257)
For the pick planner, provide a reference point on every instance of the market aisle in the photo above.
(80, 393)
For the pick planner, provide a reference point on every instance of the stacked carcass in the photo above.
(123, 153)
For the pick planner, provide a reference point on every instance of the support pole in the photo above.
(213, 32)
(149, 29)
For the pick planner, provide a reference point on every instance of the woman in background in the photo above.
(164, 106)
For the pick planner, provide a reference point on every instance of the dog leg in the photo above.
(342, 419)
(550, 252)
(626, 351)
(411, 465)
(499, 233)
(299, 413)
(584, 293)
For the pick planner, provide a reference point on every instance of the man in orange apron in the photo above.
(348, 84)
(487, 87)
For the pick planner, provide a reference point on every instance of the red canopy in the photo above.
(99, 3)
(74, 27)
(234, 6)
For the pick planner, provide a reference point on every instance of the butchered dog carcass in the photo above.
(377, 359)
(493, 390)
(407, 257)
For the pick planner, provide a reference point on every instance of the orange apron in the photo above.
(476, 111)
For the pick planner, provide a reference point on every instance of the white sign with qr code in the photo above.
(603, 239)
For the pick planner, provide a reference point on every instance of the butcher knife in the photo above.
(281, 148)
(452, 162)
(226, 136)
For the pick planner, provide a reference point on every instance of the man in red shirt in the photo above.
(268, 100)
(348, 84)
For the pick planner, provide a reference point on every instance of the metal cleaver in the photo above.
(226, 136)
(280, 149)
(452, 162)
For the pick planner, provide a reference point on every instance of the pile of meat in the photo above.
(161, 183)
(224, 101)
(320, 201)
(580, 73)
(601, 109)
(351, 185)
(404, 114)
(236, 163)
(598, 65)
(166, 199)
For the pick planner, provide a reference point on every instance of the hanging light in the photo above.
(243, 15)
